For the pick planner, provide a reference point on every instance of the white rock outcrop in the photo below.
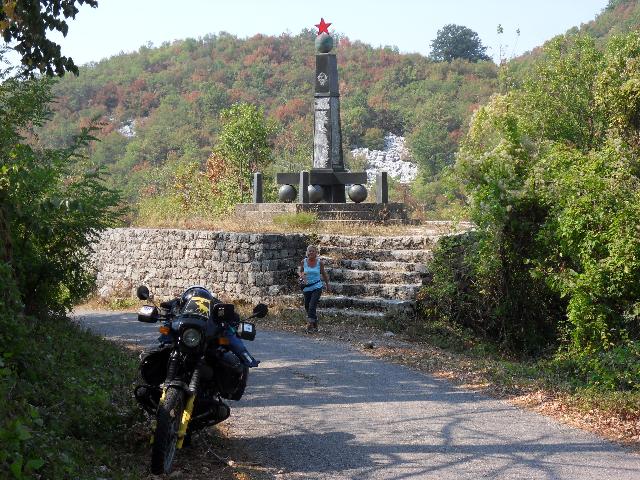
(128, 129)
(394, 159)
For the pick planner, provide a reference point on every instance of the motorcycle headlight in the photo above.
(191, 337)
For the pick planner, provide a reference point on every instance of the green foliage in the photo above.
(591, 242)
(466, 291)
(46, 424)
(551, 170)
(188, 189)
(457, 41)
(616, 369)
(65, 429)
(432, 148)
(27, 23)
(244, 143)
(619, 17)
(187, 194)
(373, 139)
(292, 145)
(54, 205)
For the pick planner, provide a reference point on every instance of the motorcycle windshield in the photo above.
(198, 306)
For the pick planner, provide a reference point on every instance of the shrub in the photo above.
(551, 170)
(53, 204)
(465, 291)
(373, 139)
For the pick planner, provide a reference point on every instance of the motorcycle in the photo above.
(200, 360)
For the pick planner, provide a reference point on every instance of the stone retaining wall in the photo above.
(246, 266)
(239, 266)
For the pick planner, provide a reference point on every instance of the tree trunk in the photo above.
(6, 254)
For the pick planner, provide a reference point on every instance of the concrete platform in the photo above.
(336, 212)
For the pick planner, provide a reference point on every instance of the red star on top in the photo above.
(323, 27)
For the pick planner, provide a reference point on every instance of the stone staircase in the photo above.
(373, 276)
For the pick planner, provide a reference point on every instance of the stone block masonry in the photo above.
(373, 274)
(239, 266)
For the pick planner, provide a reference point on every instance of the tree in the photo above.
(52, 205)
(26, 22)
(456, 41)
(244, 141)
(551, 169)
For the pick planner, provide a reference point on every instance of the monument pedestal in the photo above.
(387, 213)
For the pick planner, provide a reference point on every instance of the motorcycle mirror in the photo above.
(260, 310)
(143, 292)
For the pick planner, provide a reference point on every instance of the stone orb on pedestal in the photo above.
(324, 43)
(316, 193)
(358, 193)
(287, 193)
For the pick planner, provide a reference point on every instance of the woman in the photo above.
(309, 272)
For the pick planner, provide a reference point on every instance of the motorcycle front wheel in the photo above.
(165, 437)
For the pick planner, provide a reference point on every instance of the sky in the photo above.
(125, 25)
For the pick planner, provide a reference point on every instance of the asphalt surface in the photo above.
(315, 409)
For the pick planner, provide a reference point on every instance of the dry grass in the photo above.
(116, 304)
(242, 225)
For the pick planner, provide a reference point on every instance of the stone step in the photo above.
(409, 242)
(350, 313)
(373, 276)
(374, 265)
(390, 221)
(358, 215)
(371, 304)
(378, 255)
(346, 313)
(400, 292)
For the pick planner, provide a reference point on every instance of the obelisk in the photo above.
(328, 177)
(327, 135)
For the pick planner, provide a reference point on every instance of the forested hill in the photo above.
(160, 105)
(163, 103)
(619, 17)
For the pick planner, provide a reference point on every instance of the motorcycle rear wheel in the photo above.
(165, 437)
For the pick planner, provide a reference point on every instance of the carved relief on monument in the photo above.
(337, 161)
(321, 157)
(323, 78)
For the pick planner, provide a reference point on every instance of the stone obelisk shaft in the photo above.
(327, 135)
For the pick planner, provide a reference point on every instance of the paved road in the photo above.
(319, 410)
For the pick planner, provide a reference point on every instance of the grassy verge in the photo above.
(548, 386)
(66, 405)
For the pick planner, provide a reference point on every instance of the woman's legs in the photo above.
(311, 306)
(307, 300)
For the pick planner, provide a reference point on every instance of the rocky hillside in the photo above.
(394, 158)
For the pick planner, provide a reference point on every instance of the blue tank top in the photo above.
(313, 276)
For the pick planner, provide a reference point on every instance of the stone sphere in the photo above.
(324, 43)
(358, 193)
(316, 193)
(287, 193)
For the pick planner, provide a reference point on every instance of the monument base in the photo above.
(391, 213)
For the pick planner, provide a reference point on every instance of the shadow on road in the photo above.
(319, 410)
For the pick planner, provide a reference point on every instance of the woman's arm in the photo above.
(301, 269)
(325, 277)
